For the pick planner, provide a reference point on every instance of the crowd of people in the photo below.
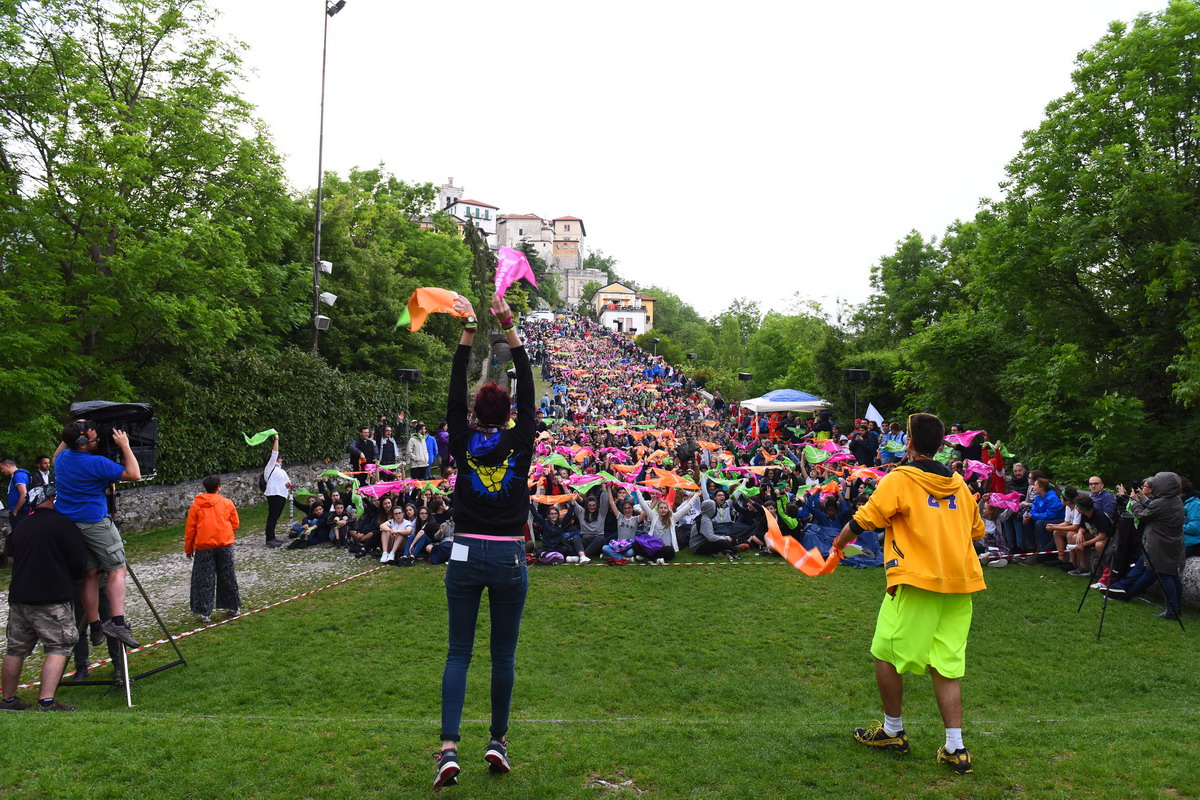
(635, 463)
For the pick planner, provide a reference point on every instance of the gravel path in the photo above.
(264, 576)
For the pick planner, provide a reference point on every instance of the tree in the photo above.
(547, 281)
(144, 210)
(586, 295)
(605, 263)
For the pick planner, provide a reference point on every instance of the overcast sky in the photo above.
(719, 150)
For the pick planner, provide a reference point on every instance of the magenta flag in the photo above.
(963, 439)
(511, 266)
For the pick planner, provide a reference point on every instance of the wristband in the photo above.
(506, 323)
(470, 323)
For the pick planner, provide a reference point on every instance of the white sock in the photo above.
(892, 725)
(953, 739)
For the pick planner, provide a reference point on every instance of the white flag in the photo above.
(873, 414)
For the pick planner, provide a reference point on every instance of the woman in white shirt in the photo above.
(395, 532)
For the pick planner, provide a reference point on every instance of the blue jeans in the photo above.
(611, 553)
(500, 566)
(1140, 579)
(415, 546)
(1013, 534)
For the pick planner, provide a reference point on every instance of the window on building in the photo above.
(567, 227)
(520, 231)
(486, 214)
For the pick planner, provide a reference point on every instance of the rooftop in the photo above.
(478, 203)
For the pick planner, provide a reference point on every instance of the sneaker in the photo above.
(497, 756)
(386, 557)
(1167, 615)
(16, 704)
(959, 760)
(1113, 590)
(575, 559)
(876, 737)
(1098, 586)
(584, 559)
(446, 773)
(1065, 566)
(96, 635)
(743, 547)
(233, 612)
(998, 562)
(121, 633)
(273, 543)
(734, 557)
(81, 674)
(639, 558)
(662, 562)
(204, 618)
(55, 706)
(1087, 573)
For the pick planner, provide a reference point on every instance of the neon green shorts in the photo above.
(918, 628)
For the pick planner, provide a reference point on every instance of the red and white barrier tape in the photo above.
(210, 625)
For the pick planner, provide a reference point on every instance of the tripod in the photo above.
(1096, 567)
(127, 680)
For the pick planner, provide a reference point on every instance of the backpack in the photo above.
(551, 557)
(262, 479)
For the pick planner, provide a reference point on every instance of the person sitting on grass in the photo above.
(339, 525)
(555, 537)
(1091, 539)
(1064, 531)
(364, 535)
(426, 533)
(705, 541)
(395, 532)
(312, 530)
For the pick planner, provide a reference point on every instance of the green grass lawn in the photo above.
(722, 681)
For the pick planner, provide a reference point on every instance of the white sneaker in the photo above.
(386, 557)
(639, 558)
(1097, 586)
(998, 562)
(573, 559)
(584, 559)
(662, 562)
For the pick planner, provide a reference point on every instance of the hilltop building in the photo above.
(559, 241)
(624, 310)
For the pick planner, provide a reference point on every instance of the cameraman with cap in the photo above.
(48, 557)
(83, 478)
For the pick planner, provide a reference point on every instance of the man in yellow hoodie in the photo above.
(208, 537)
(930, 519)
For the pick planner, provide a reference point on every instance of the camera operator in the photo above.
(48, 557)
(83, 478)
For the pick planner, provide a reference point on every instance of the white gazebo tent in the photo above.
(784, 400)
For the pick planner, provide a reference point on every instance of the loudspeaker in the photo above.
(407, 375)
(856, 375)
(744, 376)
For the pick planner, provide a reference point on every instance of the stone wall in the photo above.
(141, 508)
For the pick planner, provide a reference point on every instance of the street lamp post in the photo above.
(332, 7)
(655, 342)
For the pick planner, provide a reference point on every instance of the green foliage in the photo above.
(597, 259)
(144, 211)
(206, 405)
(670, 350)
(548, 288)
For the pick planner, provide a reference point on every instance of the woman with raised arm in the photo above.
(491, 505)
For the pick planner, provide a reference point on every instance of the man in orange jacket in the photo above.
(931, 521)
(208, 540)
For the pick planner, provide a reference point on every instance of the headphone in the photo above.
(81, 428)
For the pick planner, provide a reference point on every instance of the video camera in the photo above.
(136, 419)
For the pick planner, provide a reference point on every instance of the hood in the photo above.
(1166, 484)
(708, 508)
(208, 499)
(936, 485)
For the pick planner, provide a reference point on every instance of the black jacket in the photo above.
(491, 495)
(48, 558)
